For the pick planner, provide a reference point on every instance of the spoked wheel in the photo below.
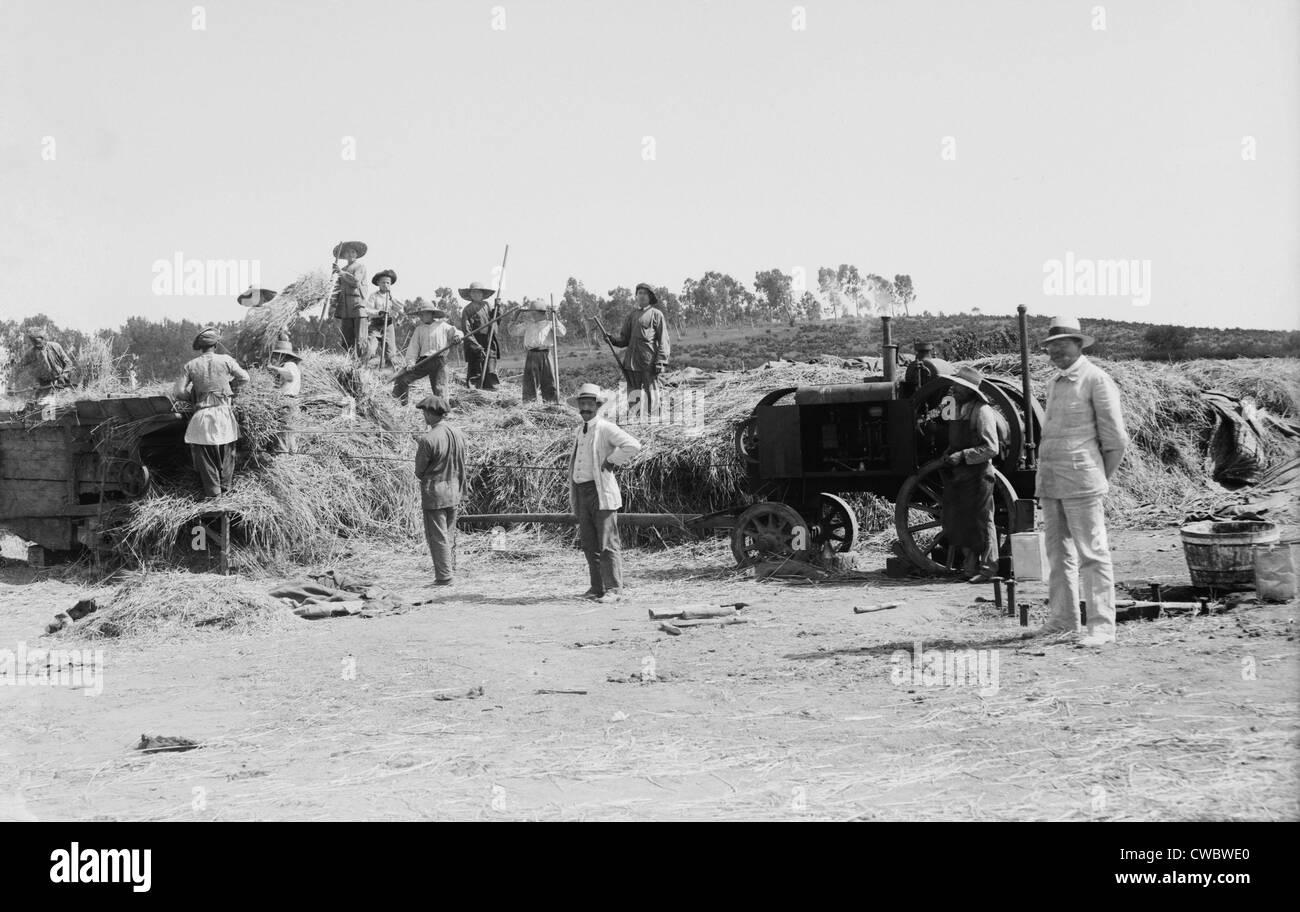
(918, 514)
(835, 522)
(769, 531)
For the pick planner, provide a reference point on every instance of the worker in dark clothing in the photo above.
(482, 343)
(440, 467)
(645, 336)
(974, 438)
(46, 365)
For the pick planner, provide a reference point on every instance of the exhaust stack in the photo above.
(1028, 456)
(888, 350)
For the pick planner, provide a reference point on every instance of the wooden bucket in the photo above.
(1221, 555)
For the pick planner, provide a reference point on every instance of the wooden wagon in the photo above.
(62, 469)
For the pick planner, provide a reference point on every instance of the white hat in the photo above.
(1067, 328)
(589, 391)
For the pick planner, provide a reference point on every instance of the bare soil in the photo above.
(791, 715)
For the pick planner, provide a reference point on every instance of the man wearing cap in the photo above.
(284, 364)
(974, 437)
(1082, 445)
(427, 351)
(210, 383)
(539, 370)
(645, 336)
(384, 310)
(924, 368)
(481, 343)
(348, 301)
(599, 447)
(46, 365)
(440, 467)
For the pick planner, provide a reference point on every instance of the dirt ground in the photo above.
(794, 714)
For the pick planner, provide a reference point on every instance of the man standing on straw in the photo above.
(349, 298)
(1083, 444)
(440, 467)
(210, 381)
(384, 311)
(645, 336)
(427, 351)
(479, 337)
(46, 365)
(599, 447)
(539, 369)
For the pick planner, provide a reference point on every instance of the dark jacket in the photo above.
(440, 466)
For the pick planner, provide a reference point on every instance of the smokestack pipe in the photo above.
(888, 350)
(1028, 455)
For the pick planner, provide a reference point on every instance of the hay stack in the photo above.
(155, 602)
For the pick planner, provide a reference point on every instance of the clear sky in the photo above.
(773, 147)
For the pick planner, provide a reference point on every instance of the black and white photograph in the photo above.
(689, 411)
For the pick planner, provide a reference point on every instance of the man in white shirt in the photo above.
(599, 447)
(539, 369)
(427, 351)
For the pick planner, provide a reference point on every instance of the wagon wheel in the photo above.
(918, 514)
(833, 521)
(747, 430)
(133, 478)
(767, 531)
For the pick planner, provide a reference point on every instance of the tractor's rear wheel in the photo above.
(918, 515)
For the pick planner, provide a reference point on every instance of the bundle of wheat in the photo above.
(262, 325)
(169, 603)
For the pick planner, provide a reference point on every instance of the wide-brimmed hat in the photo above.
(436, 404)
(536, 306)
(423, 306)
(255, 297)
(477, 286)
(384, 272)
(37, 333)
(654, 298)
(589, 391)
(970, 378)
(923, 346)
(207, 337)
(1067, 328)
(359, 246)
(285, 347)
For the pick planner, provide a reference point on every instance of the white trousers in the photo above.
(1075, 529)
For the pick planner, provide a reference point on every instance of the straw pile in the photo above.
(172, 602)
